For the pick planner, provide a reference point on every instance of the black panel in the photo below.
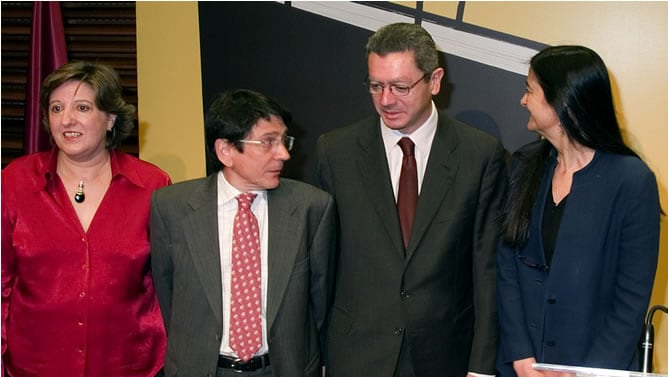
(314, 66)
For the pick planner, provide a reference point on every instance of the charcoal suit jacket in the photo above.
(187, 273)
(438, 294)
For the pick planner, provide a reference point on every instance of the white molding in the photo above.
(503, 55)
(355, 14)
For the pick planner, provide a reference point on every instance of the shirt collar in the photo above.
(118, 162)
(227, 192)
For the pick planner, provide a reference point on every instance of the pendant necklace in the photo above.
(79, 197)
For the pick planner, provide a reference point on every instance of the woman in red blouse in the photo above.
(77, 290)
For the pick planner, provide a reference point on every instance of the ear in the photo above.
(111, 119)
(225, 151)
(435, 81)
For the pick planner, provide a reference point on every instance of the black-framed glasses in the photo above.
(399, 90)
(272, 142)
(532, 263)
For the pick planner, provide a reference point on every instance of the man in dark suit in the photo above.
(422, 304)
(195, 252)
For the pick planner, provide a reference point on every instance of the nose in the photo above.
(66, 116)
(386, 97)
(282, 153)
(523, 100)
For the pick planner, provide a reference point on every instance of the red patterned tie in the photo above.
(246, 300)
(408, 192)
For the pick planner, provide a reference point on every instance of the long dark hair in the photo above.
(576, 85)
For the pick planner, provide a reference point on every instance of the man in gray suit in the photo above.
(415, 297)
(194, 265)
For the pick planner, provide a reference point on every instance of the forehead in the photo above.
(274, 126)
(531, 78)
(73, 89)
(392, 64)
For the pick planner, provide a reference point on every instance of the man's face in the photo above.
(259, 166)
(402, 113)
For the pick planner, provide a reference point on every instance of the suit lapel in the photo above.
(374, 171)
(284, 228)
(203, 220)
(438, 178)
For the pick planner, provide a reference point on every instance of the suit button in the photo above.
(405, 295)
(551, 301)
(398, 331)
(550, 343)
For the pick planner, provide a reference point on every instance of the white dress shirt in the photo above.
(422, 138)
(227, 209)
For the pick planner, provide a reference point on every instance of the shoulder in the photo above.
(345, 135)
(26, 172)
(186, 188)
(467, 136)
(30, 164)
(146, 173)
(629, 169)
(302, 191)
(530, 149)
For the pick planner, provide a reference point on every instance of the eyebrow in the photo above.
(273, 133)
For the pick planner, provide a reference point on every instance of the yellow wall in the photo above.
(630, 36)
(170, 90)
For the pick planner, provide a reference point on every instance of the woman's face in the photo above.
(542, 117)
(78, 127)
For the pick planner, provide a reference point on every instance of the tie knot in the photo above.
(246, 199)
(407, 146)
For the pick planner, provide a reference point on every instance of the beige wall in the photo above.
(170, 90)
(630, 36)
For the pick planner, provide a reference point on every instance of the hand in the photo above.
(524, 368)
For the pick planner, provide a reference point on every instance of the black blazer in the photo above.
(440, 297)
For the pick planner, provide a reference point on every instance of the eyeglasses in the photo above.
(269, 143)
(398, 90)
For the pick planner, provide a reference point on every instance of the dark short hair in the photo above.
(232, 116)
(401, 37)
(108, 95)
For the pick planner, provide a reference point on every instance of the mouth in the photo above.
(71, 134)
(391, 114)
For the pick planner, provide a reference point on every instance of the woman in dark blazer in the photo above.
(581, 227)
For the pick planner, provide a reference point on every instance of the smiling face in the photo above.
(542, 117)
(77, 126)
(257, 167)
(402, 113)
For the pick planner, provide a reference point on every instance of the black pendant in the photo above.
(79, 197)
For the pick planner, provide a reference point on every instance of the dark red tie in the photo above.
(246, 295)
(408, 192)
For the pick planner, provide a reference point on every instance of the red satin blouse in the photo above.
(78, 303)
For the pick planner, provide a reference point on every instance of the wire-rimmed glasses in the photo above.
(272, 142)
(399, 90)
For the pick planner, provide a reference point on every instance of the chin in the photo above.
(272, 184)
(394, 125)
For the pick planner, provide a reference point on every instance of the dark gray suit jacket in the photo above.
(440, 297)
(187, 274)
